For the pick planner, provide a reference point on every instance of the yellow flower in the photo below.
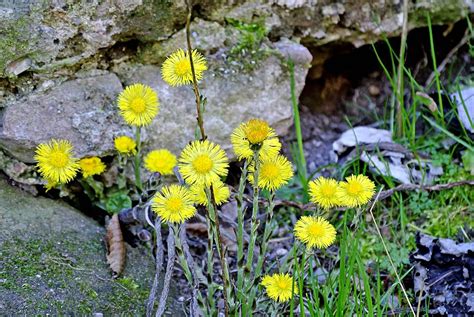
(274, 172)
(174, 204)
(279, 287)
(221, 193)
(247, 133)
(355, 191)
(161, 161)
(315, 232)
(176, 69)
(138, 104)
(91, 166)
(125, 145)
(55, 161)
(323, 192)
(203, 163)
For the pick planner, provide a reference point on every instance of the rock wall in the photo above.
(63, 63)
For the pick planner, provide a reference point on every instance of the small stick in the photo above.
(448, 57)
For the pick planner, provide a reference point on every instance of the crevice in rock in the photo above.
(347, 81)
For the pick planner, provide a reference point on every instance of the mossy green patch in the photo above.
(15, 40)
(52, 261)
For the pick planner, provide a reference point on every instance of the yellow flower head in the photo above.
(323, 191)
(221, 193)
(255, 132)
(91, 166)
(315, 232)
(138, 104)
(174, 204)
(203, 163)
(176, 69)
(161, 161)
(279, 287)
(355, 191)
(55, 161)
(274, 172)
(125, 145)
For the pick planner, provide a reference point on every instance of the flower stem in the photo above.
(240, 232)
(263, 248)
(138, 180)
(254, 223)
(195, 85)
(214, 222)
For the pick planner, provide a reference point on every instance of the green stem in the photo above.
(214, 221)
(254, 223)
(240, 233)
(299, 137)
(263, 249)
(138, 180)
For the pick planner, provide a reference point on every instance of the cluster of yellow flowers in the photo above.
(203, 164)
(355, 191)
(57, 165)
(317, 232)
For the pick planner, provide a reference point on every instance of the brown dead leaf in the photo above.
(116, 250)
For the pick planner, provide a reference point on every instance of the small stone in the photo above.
(281, 252)
(374, 90)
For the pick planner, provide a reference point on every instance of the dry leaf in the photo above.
(116, 250)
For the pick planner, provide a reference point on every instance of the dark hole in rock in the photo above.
(347, 81)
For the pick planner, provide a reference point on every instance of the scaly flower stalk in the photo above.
(253, 226)
(138, 179)
(240, 231)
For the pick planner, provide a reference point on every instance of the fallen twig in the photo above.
(451, 53)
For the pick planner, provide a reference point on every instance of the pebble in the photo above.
(281, 252)
(374, 90)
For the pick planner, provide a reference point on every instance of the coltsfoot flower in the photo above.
(125, 145)
(55, 161)
(279, 287)
(160, 161)
(138, 104)
(357, 190)
(315, 232)
(176, 69)
(203, 163)
(221, 193)
(274, 172)
(91, 166)
(174, 204)
(323, 191)
(253, 133)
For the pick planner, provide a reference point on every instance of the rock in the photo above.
(56, 34)
(58, 56)
(52, 262)
(323, 22)
(464, 101)
(360, 135)
(82, 111)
